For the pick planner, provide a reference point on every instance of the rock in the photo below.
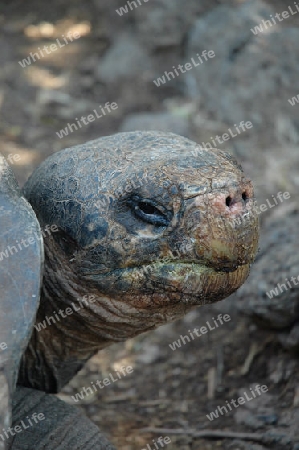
(156, 122)
(126, 59)
(281, 368)
(51, 102)
(248, 418)
(255, 412)
(255, 399)
(289, 420)
(150, 354)
(226, 31)
(275, 265)
(53, 97)
(163, 23)
(242, 81)
(290, 340)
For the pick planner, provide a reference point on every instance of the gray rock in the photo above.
(157, 122)
(275, 264)
(253, 421)
(126, 59)
(164, 23)
(290, 340)
(248, 70)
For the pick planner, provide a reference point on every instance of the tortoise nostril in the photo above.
(228, 201)
(244, 196)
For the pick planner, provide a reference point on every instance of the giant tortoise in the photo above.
(141, 223)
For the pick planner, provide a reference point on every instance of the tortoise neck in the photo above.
(75, 319)
(65, 334)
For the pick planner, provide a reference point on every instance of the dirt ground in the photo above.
(169, 392)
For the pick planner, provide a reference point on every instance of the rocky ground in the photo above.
(250, 78)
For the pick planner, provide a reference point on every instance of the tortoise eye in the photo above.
(147, 208)
(148, 212)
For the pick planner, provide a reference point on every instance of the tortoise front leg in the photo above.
(43, 422)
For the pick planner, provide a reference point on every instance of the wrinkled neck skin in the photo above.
(76, 327)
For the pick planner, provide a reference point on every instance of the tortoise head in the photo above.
(149, 223)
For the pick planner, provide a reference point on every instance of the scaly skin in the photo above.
(146, 226)
(64, 426)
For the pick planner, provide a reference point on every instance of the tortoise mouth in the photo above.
(189, 282)
(225, 267)
(187, 278)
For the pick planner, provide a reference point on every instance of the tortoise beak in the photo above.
(20, 280)
(227, 234)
